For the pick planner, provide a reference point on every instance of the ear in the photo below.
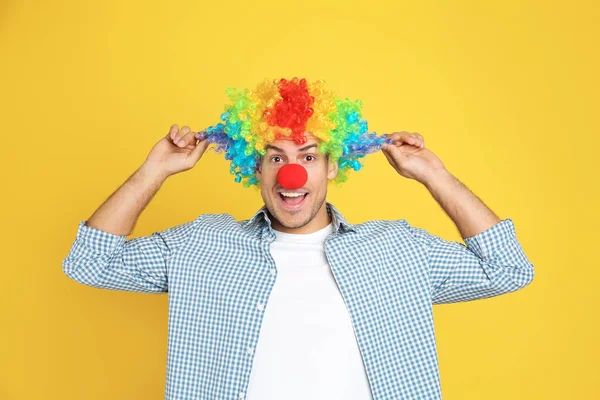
(332, 168)
(258, 169)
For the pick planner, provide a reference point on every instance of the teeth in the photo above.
(293, 194)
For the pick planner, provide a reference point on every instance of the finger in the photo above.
(405, 137)
(182, 132)
(174, 129)
(396, 154)
(389, 158)
(186, 139)
(420, 139)
(396, 136)
(201, 135)
(197, 138)
(199, 150)
(413, 139)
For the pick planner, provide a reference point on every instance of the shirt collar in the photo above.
(338, 220)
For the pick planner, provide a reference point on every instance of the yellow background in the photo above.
(505, 93)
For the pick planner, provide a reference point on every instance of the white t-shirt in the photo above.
(307, 348)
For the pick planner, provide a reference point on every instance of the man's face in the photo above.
(286, 151)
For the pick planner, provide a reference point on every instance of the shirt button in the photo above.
(260, 306)
(272, 271)
(242, 394)
(250, 350)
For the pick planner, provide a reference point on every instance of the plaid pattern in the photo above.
(219, 273)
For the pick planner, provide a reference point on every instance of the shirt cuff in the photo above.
(484, 243)
(98, 240)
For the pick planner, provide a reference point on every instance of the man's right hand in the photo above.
(177, 151)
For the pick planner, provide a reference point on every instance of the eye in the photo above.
(310, 155)
(274, 157)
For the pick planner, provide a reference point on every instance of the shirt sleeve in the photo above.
(104, 260)
(490, 264)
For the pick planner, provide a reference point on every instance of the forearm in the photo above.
(467, 211)
(119, 213)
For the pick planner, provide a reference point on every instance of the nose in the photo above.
(292, 176)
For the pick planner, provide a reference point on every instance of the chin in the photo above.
(292, 216)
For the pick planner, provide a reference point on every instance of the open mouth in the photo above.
(292, 203)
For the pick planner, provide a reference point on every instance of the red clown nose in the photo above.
(292, 176)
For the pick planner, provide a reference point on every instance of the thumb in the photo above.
(394, 152)
(199, 150)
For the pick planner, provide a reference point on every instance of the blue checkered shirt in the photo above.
(219, 274)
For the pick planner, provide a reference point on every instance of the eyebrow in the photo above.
(267, 147)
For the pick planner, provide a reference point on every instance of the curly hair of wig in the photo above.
(290, 109)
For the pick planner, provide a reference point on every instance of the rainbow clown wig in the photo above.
(290, 108)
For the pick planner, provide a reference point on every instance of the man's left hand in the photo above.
(410, 158)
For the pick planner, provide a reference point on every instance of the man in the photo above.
(297, 303)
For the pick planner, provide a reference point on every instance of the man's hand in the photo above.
(410, 158)
(176, 152)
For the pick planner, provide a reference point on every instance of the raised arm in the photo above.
(491, 263)
(101, 256)
(119, 213)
